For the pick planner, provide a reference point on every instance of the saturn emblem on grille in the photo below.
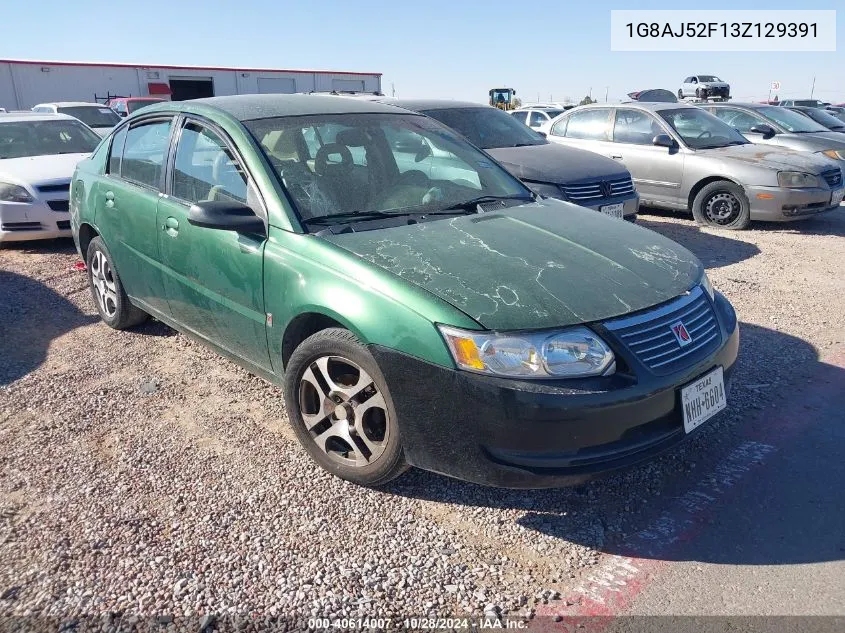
(681, 335)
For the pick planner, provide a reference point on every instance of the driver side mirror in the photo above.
(765, 130)
(225, 216)
(663, 140)
(543, 134)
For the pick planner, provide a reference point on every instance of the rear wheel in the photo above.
(109, 296)
(722, 204)
(341, 411)
(680, 95)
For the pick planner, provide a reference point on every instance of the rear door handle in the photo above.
(171, 226)
(616, 156)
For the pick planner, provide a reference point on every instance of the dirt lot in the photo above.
(143, 474)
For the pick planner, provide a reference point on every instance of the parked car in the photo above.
(124, 106)
(455, 322)
(550, 170)
(95, 115)
(653, 95)
(778, 125)
(38, 153)
(837, 111)
(704, 87)
(812, 103)
(538, 117)
(822, 117)
(683, 157)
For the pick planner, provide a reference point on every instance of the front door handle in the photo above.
(616, 156)
(171, 226)
(109, 199)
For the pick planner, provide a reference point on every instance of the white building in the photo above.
(25, 83)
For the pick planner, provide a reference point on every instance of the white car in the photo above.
(539, 117)
(705, 87)
(38, 153)
(97, 116)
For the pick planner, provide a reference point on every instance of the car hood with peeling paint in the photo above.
(539, 265)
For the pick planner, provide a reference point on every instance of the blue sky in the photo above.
(445, 49)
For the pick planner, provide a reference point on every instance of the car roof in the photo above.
(651, 106)
(250, 107)
(69, 104)
(12, 117)
(747, 106)
(435, 104)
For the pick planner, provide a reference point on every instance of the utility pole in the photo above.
(392, 89)
(813, 89)
(606, 90)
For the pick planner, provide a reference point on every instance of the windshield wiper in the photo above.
(351, 215)
(475, 202)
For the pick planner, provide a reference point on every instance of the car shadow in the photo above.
(772, 466)
(59, 245)
(713, 249)
(32, 315)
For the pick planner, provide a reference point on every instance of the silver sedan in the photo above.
(682, 157)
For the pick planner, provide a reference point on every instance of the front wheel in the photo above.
(340, 408)
(109, 296)
(722, 204)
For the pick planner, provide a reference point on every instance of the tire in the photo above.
(107, 291)
(722, 204)
(680, 95)
(698, 93)
(349, 428)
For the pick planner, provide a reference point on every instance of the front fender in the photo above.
(306, 274)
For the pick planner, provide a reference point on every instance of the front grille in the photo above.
(20, 226)
(54, 188)
(583, 192)
(63, 225)
(58, 205)
(833, 177)
(649, 336)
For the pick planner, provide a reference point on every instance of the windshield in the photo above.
(826, 119)
(700, 129)
(19, 139)
(488, 128)
(789, 120)
(377, 163)
(708, 78)
(92, 116)
(553, 113)
(137, 104)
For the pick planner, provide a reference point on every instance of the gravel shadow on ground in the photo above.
(25, 335)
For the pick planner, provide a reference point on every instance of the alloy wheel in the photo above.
(722, 208)
(103, 280)
(343, 411)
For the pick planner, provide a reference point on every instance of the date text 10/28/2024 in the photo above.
(416, 624)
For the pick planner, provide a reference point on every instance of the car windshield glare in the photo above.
(488, 128)
(372, 163)
(92, 116)
(700, 129)
(826, 119)
(790, 121)
(19, 139)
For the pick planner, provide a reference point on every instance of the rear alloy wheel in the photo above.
(680, 95)
(722, 204)
(341, 411)
(112, 303)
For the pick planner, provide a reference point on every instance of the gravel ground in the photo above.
(143, 474)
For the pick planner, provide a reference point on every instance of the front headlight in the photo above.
(797, 179)
(546, 189)
(708, 287)
(570, 353)
(835, 154)
(14, 193)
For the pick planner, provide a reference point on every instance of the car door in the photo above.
(687, 88)
(127, 198)
(213, 279)
(536, 119)
(657, 171)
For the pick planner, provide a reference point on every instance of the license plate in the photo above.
(837, 196)
(613, 210)
(703, 399)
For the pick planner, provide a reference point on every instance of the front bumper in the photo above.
(780, 204)
(32, 221)
(630, 205)
(537, 434)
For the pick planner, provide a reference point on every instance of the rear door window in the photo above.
(145, 151)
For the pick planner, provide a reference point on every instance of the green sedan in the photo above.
(416, 303)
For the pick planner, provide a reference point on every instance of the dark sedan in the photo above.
(585, 178)
(822, 117)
